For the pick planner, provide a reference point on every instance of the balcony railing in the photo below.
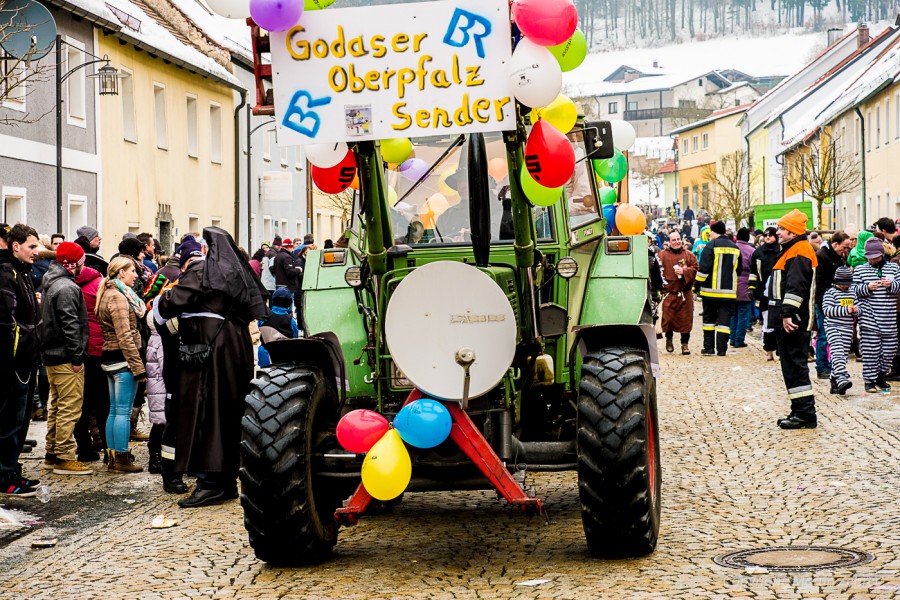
(687, 114)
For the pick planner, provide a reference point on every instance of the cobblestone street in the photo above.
(731, 481)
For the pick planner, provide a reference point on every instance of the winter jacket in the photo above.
(268, 272)
(89, 281)
(156, 387)
(282, 322)
(150, 265)
(40, 267)
(720, 266)
(65, 327)
(858, 253)
(878, 308)
(287, 271)
(761, 263)
(743, 292)
(256, 266)
(121, 338)
(792, 286)
(836, 307)
(20, 317)
(829, 261)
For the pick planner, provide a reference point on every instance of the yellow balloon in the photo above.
(393, 198)
(437, 204)
(387, 469)
(561, 113)
(449, 193)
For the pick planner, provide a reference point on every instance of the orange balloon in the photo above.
(630, 220)
(355, 184)
(498, 169)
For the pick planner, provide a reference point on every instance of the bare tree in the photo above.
(647, 172)
(341, 202)
(731, 181)
(19, 76)
(823, 171)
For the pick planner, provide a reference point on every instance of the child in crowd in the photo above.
(839, 306)
(281, 321)
(876, 284)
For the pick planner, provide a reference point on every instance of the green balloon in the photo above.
(607, 195)
(571, 52)
(316, 4)
(612, 170)
(538, 194)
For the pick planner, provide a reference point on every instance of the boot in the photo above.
(709, 342)
(155, 465)
(685, 349)
(174, 484)
(670, 347)
(94, 430)
(721, 343)
(124, 463)
(136, 434)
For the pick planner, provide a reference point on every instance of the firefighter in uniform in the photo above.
(792, 288)
(717, 282)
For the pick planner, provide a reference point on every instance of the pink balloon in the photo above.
(549, 156)
(276, 15)
(546, 22)
(358, 430)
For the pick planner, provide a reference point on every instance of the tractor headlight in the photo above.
(567, 267)
(353, 276)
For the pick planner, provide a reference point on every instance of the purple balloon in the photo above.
(413, 169)
(276, 15)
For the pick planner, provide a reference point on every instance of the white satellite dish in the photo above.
(441, 315)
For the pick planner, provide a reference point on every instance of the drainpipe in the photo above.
(862, 156)
(237, 171)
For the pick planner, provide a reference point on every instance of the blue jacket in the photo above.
(262, 354)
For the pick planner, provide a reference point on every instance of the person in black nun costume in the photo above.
(214, 302)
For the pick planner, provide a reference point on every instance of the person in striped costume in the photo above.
(876, 284)
(840, 310)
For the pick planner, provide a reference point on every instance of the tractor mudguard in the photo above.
(322, 350)
(641, 337)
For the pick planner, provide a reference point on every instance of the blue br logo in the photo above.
(300, 118)
(459, 33)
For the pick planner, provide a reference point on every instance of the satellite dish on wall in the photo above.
(29, 29)
(442, 315)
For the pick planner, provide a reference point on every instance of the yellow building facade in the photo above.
(700, 148)
(758, 144)
(167, 149)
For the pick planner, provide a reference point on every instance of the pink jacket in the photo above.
(89, 281)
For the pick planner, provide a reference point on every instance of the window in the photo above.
(887, 121)
(12, 210)
(267, 151)
(687, 104)
(216, 221)
(684, 146)
(75, 84)
(13, 83)
(192, 127)
(869, 131)
(299, 230)
(705, 196)
(193, 223)
(897, 116)
(700, 82)
(159, 105)
(267, 227)
(77, 214)
(129, 129)
(134, 228)
(706, 141)
(613, 108)
(632, 106)
(695, 195)
(878, 127)
(284, 227)
(284, 155)
(694, 143)
(685, 197)
(215, 133)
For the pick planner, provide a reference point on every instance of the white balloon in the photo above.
(325, 156)
(535, 77)
(623, 135)
(230, 9)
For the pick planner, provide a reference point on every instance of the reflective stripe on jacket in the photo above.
(720, 265)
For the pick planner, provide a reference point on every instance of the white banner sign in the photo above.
(403, 70)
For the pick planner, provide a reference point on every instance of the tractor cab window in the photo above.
(579, 191)
(429, 195)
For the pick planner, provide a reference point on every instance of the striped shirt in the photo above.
(878, 308)
(836, 307)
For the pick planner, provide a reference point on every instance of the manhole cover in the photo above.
(795, 558)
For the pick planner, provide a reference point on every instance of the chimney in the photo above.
(834, 34)
(862, 35)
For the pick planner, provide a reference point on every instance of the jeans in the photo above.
(13, 404)
(121, 398)
(822, 363)
(740, 321)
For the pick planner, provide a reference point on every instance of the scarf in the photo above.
(134, 300)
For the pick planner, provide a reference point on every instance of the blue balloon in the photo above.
(609, 213)
(424, 423)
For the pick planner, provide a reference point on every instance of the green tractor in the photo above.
(531, 324)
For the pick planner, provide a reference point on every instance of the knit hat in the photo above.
(128, 235)
(265, 243)
(282, 298)
(794, 221)
(718, 227)
(70, 255)
(287, 243)
(88, 232)
(131, 247)
(874, 248)
(276, 241)
(188, 250)
(843, 276)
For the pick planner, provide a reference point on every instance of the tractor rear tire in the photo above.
(289, 516)
(619, 474)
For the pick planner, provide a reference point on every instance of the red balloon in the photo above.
(337, 178)
(358, 430)
(546, 22)
(549, 156)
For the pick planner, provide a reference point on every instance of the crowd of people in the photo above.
(814, 299)
(86, 341)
